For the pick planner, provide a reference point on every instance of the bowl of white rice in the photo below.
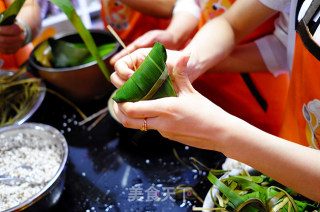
(33, 160)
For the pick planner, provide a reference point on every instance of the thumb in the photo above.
(180, 76)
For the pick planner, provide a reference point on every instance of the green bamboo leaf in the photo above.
(103, 50)
(43, 54)
(67, 54)
(235, 199)
(150, 81)
(8, 16)
(66, 7)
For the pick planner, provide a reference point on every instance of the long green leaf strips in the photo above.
(66, 7)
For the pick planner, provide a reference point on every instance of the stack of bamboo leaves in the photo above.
(257, 194)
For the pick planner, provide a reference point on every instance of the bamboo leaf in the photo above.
(66, 7)
(150, 81)
(67, 54)
(233, 197)
(8, 16)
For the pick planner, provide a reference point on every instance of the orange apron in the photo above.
(258, 98)
(128, 23)
(13, 61)
(302, 116)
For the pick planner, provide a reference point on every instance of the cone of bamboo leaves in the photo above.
(150, 81)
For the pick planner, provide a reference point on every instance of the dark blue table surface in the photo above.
(112, 168)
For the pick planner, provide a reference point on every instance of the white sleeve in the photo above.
(190, 6)
(273, 48)
(279, 5)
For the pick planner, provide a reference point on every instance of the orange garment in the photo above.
(231, 92)
(129, 23)
(13, 61)
(302, 115)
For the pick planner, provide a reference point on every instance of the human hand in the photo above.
(148, 39)
(124, 67)
(12, 38)
(189, 118)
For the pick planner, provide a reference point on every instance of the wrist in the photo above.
(26, 30)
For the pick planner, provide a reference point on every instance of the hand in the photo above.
(189, 118)
(12, 38)
(124, 67)
(148, 39)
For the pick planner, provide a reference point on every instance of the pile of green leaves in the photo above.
(61, 54)
(257, 194)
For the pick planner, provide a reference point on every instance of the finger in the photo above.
(129, 49)
(124, 68)
(117, 56)
(147, 108)
(10, 30)
(180, 76)
(116, 80)
(134, 123)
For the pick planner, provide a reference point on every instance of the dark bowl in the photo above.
(84, 82)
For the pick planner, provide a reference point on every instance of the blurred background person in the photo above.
(131, 19)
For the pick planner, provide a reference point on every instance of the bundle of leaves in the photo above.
(257, 193)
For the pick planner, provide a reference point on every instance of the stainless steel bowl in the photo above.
(84, 82)
(49, 195)
(35, 101)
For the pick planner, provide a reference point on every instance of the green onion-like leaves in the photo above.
(8, 16)
(235, 199)
(255, 194)
(150, 81)
(66, 7)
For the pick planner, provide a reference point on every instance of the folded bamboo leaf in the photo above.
(66, 7)
(67, 54)
(8, 16)
(150, 81)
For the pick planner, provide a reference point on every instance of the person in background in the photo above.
(193, 120)
(259, 97)
(130, 19)
(15, 39)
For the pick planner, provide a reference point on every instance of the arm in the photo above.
(12, 37)
(157, 8)
(217, 39)
(193, 120)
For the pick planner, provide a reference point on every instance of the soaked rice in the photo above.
(40, 152)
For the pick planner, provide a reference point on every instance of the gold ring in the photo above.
(144, 126)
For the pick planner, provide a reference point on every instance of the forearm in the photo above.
(182, 26)
(244, 58)
(210, 46)
(294, 166)
(157, 8)
(30, 14)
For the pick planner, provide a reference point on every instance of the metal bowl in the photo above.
(84, 82)
(36, 100)
(49, 195)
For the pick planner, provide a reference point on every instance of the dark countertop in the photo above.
(112, 168)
